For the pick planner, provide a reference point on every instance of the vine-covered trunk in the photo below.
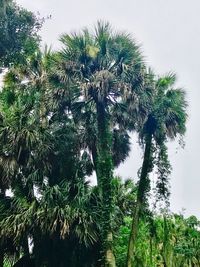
(95, 161)
(142, 188)
(167, 247)
(105, 175)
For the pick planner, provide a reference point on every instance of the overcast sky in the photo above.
(169, 32)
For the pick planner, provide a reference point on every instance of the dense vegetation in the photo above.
(68, 114)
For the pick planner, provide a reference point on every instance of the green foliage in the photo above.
(18, 31)
(67, 114)
(162, 241)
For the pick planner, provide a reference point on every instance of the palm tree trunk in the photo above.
(142, 189)
(95, 161)
(105, 173)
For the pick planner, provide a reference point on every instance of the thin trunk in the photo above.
(151, 251)
(142, 188)
(165, 243)
(105, 176)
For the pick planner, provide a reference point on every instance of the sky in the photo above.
(169, 34)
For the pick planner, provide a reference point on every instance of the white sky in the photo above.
(169, 32)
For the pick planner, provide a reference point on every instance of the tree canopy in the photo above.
(19, 33)
(66, 115)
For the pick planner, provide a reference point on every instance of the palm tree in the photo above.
(101, 69)
(166, 120)
(39, 148)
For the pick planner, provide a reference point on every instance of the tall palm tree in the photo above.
(166, 120)
(101, 69)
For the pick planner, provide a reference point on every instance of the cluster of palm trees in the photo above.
(65, 115)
